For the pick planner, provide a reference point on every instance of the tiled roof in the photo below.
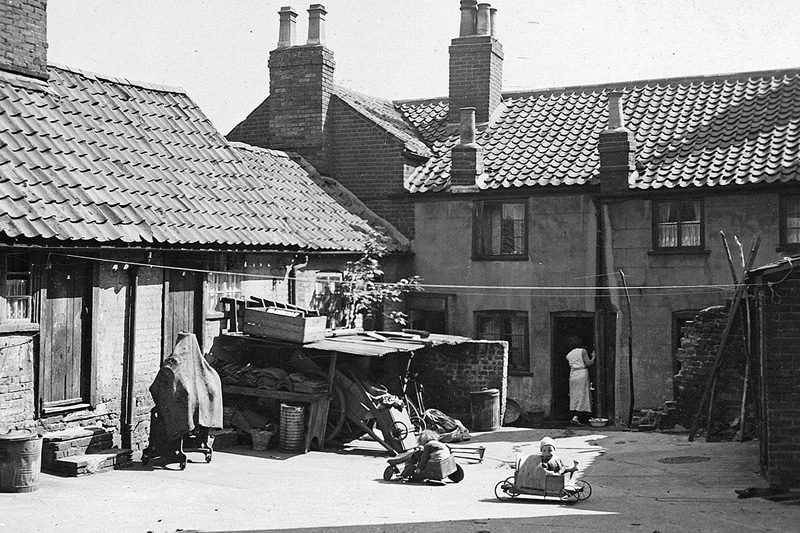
(384, 114)
(397, 242)
(690, 132)
(99, 159)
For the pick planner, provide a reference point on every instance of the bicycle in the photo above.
(412, 398)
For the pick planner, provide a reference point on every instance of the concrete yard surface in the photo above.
(642, 481)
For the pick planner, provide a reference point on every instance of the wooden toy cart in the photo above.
(533, 480)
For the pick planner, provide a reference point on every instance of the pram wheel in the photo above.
(389, 473)
(504, 490)
(584, 489)
(570, 495)
(183, 465)
(399, 430)
(458, 475)
(208, 457)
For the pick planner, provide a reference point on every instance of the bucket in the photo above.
(261, 438)
(20, 461)
(485, 406)
(293, 428)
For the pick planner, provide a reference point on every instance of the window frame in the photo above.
(783, 229)
(4, 273)
(525, 355)
(680, 248)
(479, 225)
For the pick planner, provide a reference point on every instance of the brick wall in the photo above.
(369, 162)
(699, 345)
(782, 380)
(16, 382)
(23, 41)
(476, 76)
(450, 373)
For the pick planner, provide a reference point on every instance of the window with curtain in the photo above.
(16, 291)
(790, 221)
(510, 326)
(678, 224)
(500, 230)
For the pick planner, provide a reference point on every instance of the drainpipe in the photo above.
(292, 275)
(129, 369)
(600, 308)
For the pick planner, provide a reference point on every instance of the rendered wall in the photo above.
(561, 253)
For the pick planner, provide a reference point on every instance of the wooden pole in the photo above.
(747, 334)
(720, 349)
(630, 348)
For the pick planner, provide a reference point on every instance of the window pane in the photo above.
(690, 212)
(666, 213)
(513, 229)
(793, 220)
(489, 328)
(17, 287)
(690, 234)
(668, 235)
(511, 327)
(223, 285)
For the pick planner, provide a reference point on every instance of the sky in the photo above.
(217, 50)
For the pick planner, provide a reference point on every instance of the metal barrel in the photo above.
(292, 436)
(20, 461)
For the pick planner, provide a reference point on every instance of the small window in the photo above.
(678, 225)
(16, 296)
(790, 222)
(500, 231)
(327, 299)
(511, 326)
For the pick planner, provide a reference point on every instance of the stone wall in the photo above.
(16, 382)
(450, 373)
(699, 346)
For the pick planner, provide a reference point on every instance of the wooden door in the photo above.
(65, 356)
(183, 297)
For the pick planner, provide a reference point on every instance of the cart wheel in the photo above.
(569, 495)
(145, 459)
(458, 475)
(504, 490)
(584, 489)
(183, 465)
(389, 473)
(337, 408)
(399, 430)
(208, 457)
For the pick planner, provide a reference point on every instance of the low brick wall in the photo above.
(699, 346)
(450, 373)
(16, 382)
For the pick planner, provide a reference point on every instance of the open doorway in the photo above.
(564, 325)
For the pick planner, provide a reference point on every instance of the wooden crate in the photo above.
(284, 324)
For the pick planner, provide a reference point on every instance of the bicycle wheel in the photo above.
(417, 418)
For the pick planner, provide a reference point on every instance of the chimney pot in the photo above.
(493, 21)
(484, 25)
(316, 24)
(616, 119)
(468, 125)
(287, 27)
(468, 17)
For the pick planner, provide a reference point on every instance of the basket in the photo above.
(598, 422)
(261, 438)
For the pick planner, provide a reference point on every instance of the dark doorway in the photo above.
(564, 325)
(679, 321)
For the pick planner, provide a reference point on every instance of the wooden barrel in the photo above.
(292, 435)
(20, 461)
(485, 406)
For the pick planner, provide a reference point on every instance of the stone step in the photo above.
(74, 441)
(89, 463)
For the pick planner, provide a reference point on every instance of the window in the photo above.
(428, 312)
(790, 222)
(508, 326)
(16, 290)
(500, 231)
(222, 285)
(678, 225)
(327, 299)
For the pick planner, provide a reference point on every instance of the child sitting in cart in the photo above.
(433, 451)
(551, 462)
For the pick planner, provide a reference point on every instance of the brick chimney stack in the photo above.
(617, 147)
(476, 63)
(466, 157)
(23, 37)
(300, 87)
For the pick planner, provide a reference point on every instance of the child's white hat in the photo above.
(547, 441)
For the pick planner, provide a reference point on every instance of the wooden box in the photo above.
(284, 324)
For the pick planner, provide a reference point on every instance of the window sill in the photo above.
(19, 327)
(791, 248)
(62, 409)
(679, 251)
(500, 258)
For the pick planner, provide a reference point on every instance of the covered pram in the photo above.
(188, 402)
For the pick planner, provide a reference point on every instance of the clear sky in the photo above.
(217, 50)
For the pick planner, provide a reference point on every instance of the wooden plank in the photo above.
(273, 394)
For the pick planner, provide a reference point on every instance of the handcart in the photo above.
(532, 480)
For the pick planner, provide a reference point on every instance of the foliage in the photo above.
(361, 292)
